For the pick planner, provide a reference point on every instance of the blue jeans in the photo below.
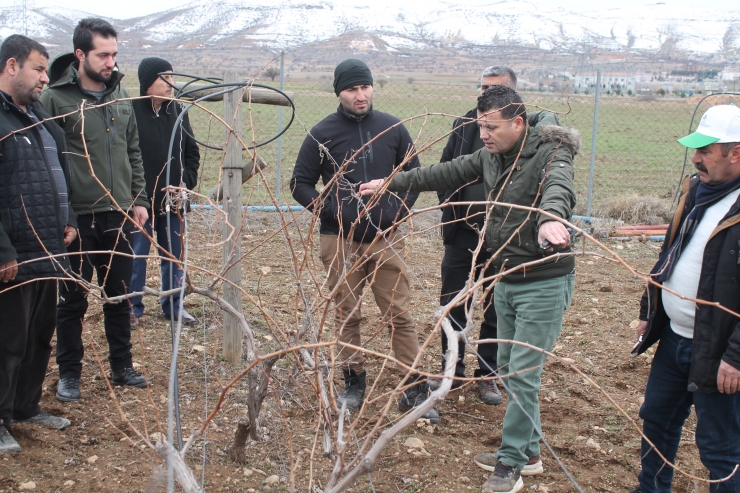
(668, 404)
(171, 273)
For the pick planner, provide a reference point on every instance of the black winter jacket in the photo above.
(28, 193)
(460, 143)
(155, 132)
(343, 135)
(716, 332)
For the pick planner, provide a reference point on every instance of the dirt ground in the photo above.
(595, 443)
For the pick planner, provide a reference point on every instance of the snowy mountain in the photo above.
(396, 27)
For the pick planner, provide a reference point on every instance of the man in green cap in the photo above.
(698, 359)
(338, 150)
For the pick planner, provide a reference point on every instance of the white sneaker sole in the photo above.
(485, 466)
(518, 486)
(527, 470)
(533, 469)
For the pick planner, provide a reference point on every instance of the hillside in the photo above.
(441, 36)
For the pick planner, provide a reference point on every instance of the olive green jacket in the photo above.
(112, 141)
(542, 177)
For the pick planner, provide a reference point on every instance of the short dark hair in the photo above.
(505, 99)
(19, 47)
(726, 147)
(82, 39)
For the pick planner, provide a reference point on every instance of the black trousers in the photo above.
(105, 231)
(456, 264)
(25, 346)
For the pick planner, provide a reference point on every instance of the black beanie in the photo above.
(351, 73)
(149, 70)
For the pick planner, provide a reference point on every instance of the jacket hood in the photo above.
(60, 65)
(63, 70)
(569, 137)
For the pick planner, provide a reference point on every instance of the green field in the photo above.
(636, 147)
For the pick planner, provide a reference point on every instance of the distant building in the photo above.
(729, 74)
(710, 85)
(610, 81)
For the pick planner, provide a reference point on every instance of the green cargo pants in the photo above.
(530, 312)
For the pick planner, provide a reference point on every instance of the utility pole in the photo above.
(23, 7)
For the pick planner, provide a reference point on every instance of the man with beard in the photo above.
(34, 177)
(340, 152)
(109, 197)
(698, 359)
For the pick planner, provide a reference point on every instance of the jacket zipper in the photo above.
(110, 151)
(369, 147)
(159, 138)
(362, 144)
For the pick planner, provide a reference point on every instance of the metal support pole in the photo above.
(279, 156)
(232, 180)
(594, 134)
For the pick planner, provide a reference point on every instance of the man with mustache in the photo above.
(35, 222)
(340, 152)
(530, 166)
(109, 197)
(461, 232)
(156, 118)
(698, 359)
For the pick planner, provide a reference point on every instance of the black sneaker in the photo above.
(505, 479)
(354, 390)
(414, 396)
(128, 377)
(7, 442)
(68, 389)
(636, 489)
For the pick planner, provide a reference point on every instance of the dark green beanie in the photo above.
(351, 73)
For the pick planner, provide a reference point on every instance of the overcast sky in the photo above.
(134, 8)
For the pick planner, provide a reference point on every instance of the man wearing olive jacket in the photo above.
(461, 238)
(698, 359)
(109, 195)
(348, 229)
(528, 166)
